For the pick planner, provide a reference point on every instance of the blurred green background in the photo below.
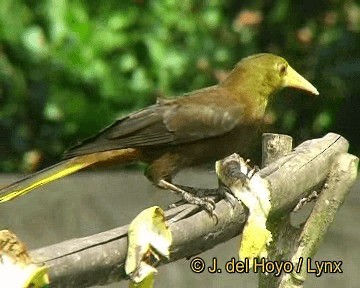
(68, 68)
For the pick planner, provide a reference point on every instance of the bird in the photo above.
(174, 133)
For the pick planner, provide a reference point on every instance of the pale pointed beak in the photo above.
(295, 80)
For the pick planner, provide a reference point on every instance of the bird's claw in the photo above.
(207, 203)
(303, 201)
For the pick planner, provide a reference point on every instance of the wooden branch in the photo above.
(342, 176)
(274, 146)
(303, 242)
(99, 259)
(302, 170)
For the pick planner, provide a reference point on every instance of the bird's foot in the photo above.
(205, 202)
(223, 192)
(201, 192)
(303, 201)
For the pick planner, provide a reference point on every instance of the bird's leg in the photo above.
(200, 192)
(197, 192)
(207, 203)
(222, 192)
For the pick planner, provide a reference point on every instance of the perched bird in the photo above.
(204, 125)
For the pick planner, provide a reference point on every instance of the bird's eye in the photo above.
(282, 69)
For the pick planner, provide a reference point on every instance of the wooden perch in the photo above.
(99, 259)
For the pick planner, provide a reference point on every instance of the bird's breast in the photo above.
(238, 140)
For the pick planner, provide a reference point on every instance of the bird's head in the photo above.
(264, 74)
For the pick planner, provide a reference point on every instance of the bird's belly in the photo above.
(215, 148)
(207, 150)
(165, 161)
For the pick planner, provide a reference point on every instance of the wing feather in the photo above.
(200, 115)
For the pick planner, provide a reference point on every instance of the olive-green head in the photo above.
(264, 74)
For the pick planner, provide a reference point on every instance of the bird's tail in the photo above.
(63, 169)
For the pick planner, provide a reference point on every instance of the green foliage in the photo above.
(67, 68)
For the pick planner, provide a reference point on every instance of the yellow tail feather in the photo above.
(9, 195)
(64, 168)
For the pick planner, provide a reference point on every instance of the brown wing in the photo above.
(199, 115)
